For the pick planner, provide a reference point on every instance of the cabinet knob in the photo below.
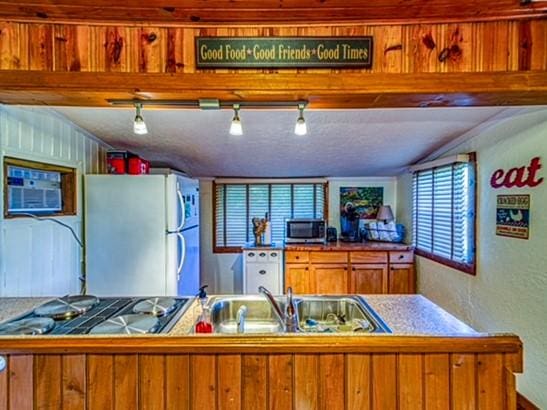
(262, 272)
(251, 254)
(305, 268)
(297, 257)
(353, 268)
(3, 363)
(261, 254)
(273, 254)
(401, 256)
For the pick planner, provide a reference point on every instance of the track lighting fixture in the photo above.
(300, 128)
(139, 126)
(235, 126)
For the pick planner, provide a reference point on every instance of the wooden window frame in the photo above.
(469, 268)
(238, 249)
(68, 186)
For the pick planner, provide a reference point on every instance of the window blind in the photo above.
(444, 213)
(236, 204)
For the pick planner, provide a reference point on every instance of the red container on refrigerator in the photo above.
(137, 166)
(116, 162)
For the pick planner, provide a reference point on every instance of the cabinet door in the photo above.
(368, 279)
(331, 279)
(402, 278)
(262, 274)
(297, 276)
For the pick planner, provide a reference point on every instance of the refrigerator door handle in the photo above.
(182, 255)
(182, 208)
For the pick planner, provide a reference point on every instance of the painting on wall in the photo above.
(362, 202)
(513, 216)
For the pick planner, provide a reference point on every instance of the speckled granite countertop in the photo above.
(349, 246)
(404, 314)
(416, 315)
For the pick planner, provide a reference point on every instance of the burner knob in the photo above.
(3, 363)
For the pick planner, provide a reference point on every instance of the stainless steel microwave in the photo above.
(305, 231)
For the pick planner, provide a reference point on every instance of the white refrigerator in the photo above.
(141, 235)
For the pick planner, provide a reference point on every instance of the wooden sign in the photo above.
(518, 177)
(513, 216)
(283, 52)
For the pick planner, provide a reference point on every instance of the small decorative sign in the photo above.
(283, 52)
(513, 216)
(518, 177)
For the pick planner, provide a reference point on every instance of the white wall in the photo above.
(509, 292)
(223, 271)
(42, 258)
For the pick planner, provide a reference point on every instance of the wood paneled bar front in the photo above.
(253, 372)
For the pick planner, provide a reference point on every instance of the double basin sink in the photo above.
(316, 314)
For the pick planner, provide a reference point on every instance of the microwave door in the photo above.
(300, 230)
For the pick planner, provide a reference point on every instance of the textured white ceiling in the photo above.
(339, 143)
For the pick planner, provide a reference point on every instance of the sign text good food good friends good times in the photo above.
(283, 52)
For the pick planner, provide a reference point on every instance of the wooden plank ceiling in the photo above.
(257, 12)
(426, 52)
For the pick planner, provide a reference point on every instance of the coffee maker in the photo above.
(349, 224)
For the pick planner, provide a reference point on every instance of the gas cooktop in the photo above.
(76, 315)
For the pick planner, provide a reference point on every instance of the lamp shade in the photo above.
(385, 213)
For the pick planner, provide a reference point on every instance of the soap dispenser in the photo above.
(203, 324)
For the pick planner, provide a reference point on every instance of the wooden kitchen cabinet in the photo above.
(401, 278)
(297, 276)
(368, 279)
(329, 279)
(357, 269)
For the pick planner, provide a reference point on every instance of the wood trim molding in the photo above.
(322, 90)
(264, 344)
(524, 404)
(197, 13)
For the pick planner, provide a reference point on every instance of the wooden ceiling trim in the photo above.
(324, 91)
(194, 13)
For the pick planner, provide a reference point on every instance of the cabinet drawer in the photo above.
(368, 257)
(297, 257)
(329, 257)
(401, 257)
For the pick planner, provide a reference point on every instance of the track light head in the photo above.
(139, 126)
(235, 126)
(301, 128)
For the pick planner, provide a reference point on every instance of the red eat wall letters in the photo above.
(515, 177)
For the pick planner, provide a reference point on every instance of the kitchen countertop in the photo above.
(349, 246)
(412, 315)
(274, 246)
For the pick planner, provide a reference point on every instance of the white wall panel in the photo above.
(41, 258)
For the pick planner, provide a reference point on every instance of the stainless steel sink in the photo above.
(316, 314)
(259, 318)
(338, 314)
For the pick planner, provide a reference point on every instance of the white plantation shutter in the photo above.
(236, 204)
(443, 213)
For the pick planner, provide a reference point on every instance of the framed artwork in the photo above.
(361, 202)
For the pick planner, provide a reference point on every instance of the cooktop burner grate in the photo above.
(103, 310)
(30, 326)
(66, 307)
(127, 324)
(155, 306)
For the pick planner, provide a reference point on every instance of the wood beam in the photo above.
(324, 91)
(264, 12)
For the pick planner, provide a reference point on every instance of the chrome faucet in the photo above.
(289, 318)
(241, 316)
